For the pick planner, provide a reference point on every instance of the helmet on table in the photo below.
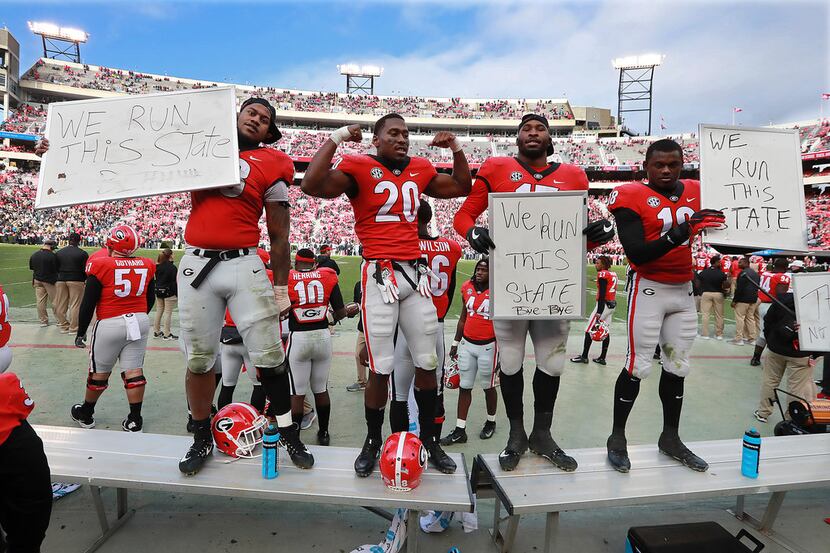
(402, 461)
(237, 429)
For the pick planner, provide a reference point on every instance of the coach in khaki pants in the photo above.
(782, 355)
(713, 282)
(44, 267)
(70, 285)
(744, 303)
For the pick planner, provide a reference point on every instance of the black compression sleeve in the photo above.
(336, 298)
(602, 287)
(451, 288)
(633, 240)
(151, 295)
(92, 293)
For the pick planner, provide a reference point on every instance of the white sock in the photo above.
(491, 418)
(284, 420)
(461, 423)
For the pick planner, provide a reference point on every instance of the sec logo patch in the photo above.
(653, 201)
(515, 176)
(376, 172)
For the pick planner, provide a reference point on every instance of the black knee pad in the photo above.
(269, 373)
(96, 385)
(133, 381)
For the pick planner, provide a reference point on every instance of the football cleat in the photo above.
(130, 424)
(599, 361)
(579, 359)
(488, 430)
(542, 443)
(516, 446)
(755, 361)
(457, 436)
(368, 457)
(190, 427)
(323, 437)
(84, 420)
(439, 459)
(296, 449)
(618, 453)
(196, 456)
(670, 445)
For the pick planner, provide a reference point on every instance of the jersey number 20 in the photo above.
(409, 196)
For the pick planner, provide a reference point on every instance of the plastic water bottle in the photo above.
(454, 550)
(270, 457)
(751, 458)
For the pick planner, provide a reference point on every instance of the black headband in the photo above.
(272, 128)
(543, 120)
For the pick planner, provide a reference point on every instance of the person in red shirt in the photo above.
(220, 270)
(120, 292)
(312, 290)
(26, 492)
(5, 333)
(772, 284)
(734, 273)
(441, 255)
(529, 171)
(384, 191)
(603, 313)
(477, 353)
(657, 223)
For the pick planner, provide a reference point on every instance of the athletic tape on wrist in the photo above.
(455, 146)
(340, 135)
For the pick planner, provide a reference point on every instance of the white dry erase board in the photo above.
(811, 292)
(537, 270)
(754, 175)
(111, 149)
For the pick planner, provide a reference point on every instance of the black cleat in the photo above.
(296, 449)
(618, 453)
(368, 457)
(542, 443)
(196, 456)
(600, 361)
(83, 419)
(755, 361)
(323, 437)
(670, 445)
(457, 436)
(516, 446)
(132, 424)
(439, 459)
(579, 359)
(488, 430)
(190, 426)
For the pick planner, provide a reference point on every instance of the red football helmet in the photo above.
(264, 256)
(237, 429)
(600, 331)
(402, 461)
(452, 378)
(123, 239)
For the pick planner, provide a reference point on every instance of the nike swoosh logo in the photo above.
(690, 199)
(558, 181)
(626, 400)
(608, 228)
(257, 270)
(678, 397)
(255, 159)
(474, 235)
(414, 174)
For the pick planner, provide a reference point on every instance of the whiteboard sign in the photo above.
(754, 175)
(537, 270)
(811, 293)
(110, 149)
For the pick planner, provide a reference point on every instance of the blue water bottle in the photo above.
(270, 440)
(751, 458)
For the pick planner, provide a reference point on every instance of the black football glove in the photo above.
(599, 232)
(79, 342)
(479, 239)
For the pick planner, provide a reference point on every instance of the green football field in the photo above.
(16, 279)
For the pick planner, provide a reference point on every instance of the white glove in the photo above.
(424, 282)
(386, 281)
(281, 294)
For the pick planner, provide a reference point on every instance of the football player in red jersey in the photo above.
(603, 310)
(312, 290)
(477, 353)
(385, 191)
(529, 171)
(26, 492)
(772, 284)
(441, 256)
(656, 223)
(5, 333)
(119, 292)
(220, 269)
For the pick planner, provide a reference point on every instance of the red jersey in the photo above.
(610, 278)
(508, 174)
(5, 326)
(478, 328)
(769, 284)
(228, 218)
(385, 204)
(310, 293)
(726, 265)
(442, 255)
(735, 269)
(124, 283)
(701, 263)
(658, 215)
(15, 404)
(103, 252)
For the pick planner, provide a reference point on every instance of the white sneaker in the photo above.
(702, 337)
(718, 337)
(737, 342)
(44, 325)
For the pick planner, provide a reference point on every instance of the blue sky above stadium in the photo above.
(769, 58)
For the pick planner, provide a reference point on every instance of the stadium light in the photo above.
(360, 79)
(642, 61)
(50, 30)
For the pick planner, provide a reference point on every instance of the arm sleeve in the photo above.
(92, 293)
(473, 206)
(451, 287)
(632, 238)
(151, 294)
(358, 293)
(336, 298)
(602, 287)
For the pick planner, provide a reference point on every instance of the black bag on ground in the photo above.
(696, 537)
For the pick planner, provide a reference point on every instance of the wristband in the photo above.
(340, 135)
(455, 343)
(455, 146)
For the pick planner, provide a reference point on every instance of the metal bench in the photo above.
(109, 459)
(787, 463)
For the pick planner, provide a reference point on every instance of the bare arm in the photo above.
(460, 182)
(320, 180)
(278, 220)
(459, 331)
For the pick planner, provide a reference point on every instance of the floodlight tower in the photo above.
(636, 75)
(360, 79)
(59, 42)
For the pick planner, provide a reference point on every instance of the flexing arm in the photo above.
(460, 182)
(320, 180)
